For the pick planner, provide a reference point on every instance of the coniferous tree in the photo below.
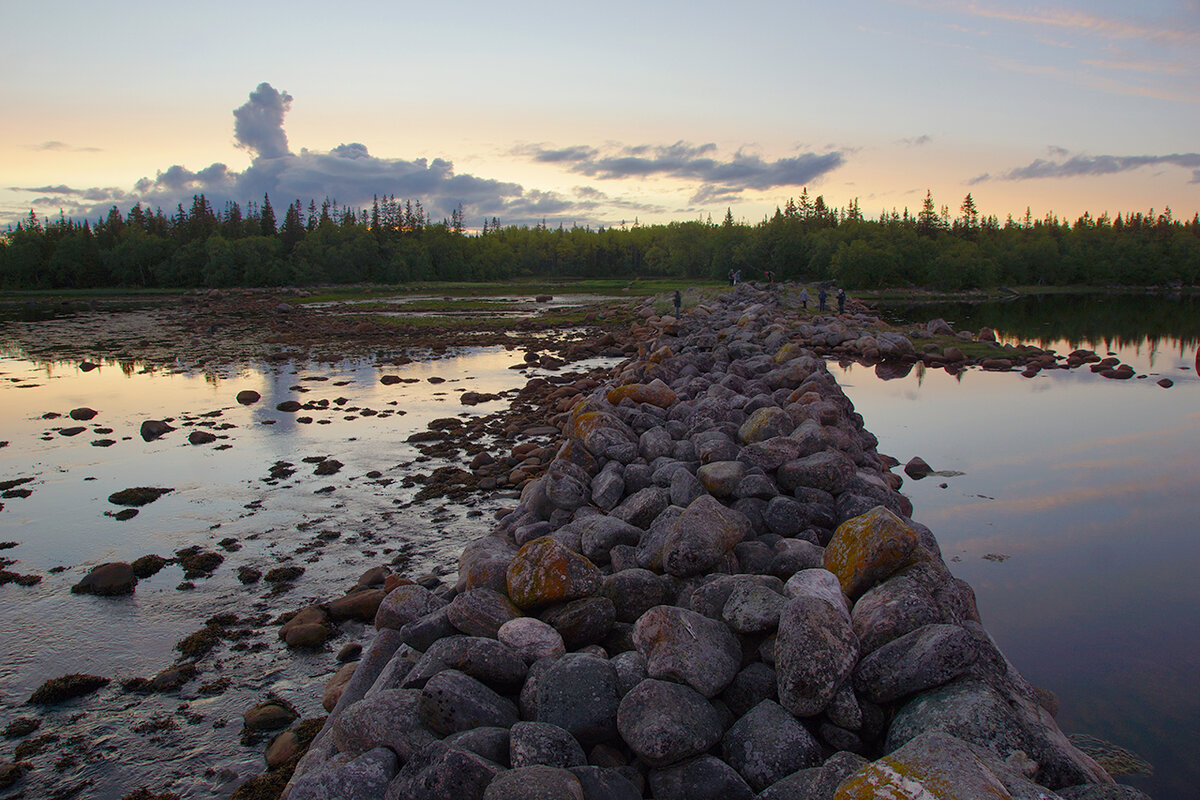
(267, 217)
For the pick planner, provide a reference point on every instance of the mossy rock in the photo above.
(68, 687)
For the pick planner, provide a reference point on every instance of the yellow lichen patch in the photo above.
(661, 395)
(788, 352)
(868, 548)
(892, 778)
(544, 573)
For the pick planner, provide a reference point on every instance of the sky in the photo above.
(599, 114)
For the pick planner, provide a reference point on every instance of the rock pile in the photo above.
(715, 590)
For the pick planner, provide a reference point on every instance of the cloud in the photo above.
(1062, 166)
(1079, 21)
(258, 124)
(917, 141)
(54, 146)
(719, 180)
(348, 174)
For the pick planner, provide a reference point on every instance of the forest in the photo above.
(395, 242)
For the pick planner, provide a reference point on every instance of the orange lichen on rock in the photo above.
(656, 393)
(868, 548)
(544, 573)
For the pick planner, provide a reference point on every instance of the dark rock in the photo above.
(388, 718)
(534, 783)
(916, 468)
(767, 744)
(363, 778)
(137, 496)
(687, 647)
(248, 397)
(703, 778)
(453, 701)
(815, 652)
(201, 437)
(404, 604)
(534, 743)
(115, 578)
(152, 429)
(665, 722)
(68, 687)
(484, 659)
(442, 771)
(927, 657)
(481, 612)
(578, 692)
(582, 622)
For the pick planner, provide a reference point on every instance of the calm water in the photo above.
(1088, 486)
(185, 742)
(1091, 487)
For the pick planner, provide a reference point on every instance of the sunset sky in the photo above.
(595, 114)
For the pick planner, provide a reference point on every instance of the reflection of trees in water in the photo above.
(1122, 320)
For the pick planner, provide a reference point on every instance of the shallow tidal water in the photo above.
(1082, 490)
(223, 499)
(1075, 519)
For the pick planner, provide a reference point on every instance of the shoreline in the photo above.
(597, 439)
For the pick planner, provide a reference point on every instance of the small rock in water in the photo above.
(108, 579)
(137, 496)
(153, 428)
(82, 414)
(248, 397)
(916, 468)
(58, 690)
(201, 437)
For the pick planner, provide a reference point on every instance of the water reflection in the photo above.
(219, 495)
(1089, 485)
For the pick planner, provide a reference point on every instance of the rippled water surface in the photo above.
(1085, 492)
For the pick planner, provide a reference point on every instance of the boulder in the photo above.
(481, 612)
(536, 782)
(927, 657)
(531, 639)
(454, 701)
(405, 604)
(665, 722)
(700, 537)
(113, 578)
(545, 572)
(687, 647)
(534, 743)
(767, 743)
(815, 652)
(867, 549)
(578, 692)
(388, 718)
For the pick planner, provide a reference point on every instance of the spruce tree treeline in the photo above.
(395, 242)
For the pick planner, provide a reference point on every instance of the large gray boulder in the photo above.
(768, 743)
(815, 652)
(578, 692)
(665, 722)
(701, 537)
(683, 646)
(927, 657)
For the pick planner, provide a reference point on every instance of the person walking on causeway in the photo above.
(841, 295)
(822, 295)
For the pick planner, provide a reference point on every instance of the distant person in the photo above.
(804, 298)
(822, 296)
(841, 300)
(678, 303)
(731, 278)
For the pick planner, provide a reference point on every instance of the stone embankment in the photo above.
(715, 590)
